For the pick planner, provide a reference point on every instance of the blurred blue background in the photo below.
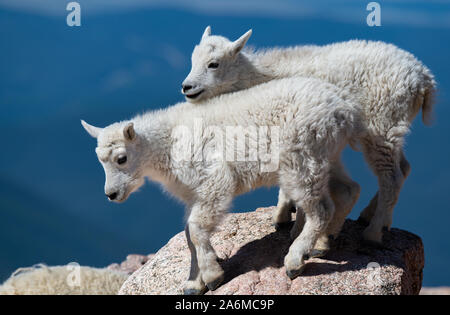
(130, 56)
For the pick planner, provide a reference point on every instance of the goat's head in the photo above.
(215, 66)
(117, 150)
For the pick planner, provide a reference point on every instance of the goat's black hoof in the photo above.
(215, 283)
(193, 291)
(292, 274)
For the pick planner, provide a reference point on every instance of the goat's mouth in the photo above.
(130, 189)
(122, 197)
(195, 95)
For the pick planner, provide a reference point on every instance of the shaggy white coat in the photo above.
(387, 84)
(314, 123)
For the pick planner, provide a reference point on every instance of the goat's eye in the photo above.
(122, 160)
(213, 65)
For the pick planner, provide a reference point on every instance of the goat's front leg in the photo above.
(318, 214)
(205, 270)
(311, 195)
(194, 284)
(344, 192)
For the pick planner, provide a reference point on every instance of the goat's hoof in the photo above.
(293, 209)
(282, 225)
(215, 283)
(294, 273)
(193, 291)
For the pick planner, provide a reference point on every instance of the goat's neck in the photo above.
(275, 64)
(155, 151)
(253, 72)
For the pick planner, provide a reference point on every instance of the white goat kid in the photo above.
(388, 84)
(305, 117)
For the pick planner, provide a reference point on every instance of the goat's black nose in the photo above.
(112, 196)
(186, 87)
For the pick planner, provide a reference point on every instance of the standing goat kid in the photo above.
(387, 84)
(302, 124)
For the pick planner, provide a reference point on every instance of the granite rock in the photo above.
(252, 252)
(132, 263)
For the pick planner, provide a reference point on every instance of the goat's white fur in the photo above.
(388, 84)
(314, 123)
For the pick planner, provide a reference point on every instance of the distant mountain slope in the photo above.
(33, 230)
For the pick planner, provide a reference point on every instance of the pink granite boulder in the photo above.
(253, 251)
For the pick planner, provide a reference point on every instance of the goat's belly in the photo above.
(249, 183)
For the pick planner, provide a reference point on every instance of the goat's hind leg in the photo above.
(366, 215)
(385, 160)
(282, 215)
(345, 193)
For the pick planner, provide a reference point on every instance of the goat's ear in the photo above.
(93, 131)
(207, 32)
(128, 132)
(239, 43)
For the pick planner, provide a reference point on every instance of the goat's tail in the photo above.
(427, 97)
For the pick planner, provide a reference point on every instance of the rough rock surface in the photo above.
(253, 253)
(132, 263)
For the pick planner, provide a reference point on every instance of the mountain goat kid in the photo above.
(388, 85)
(294, 130)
